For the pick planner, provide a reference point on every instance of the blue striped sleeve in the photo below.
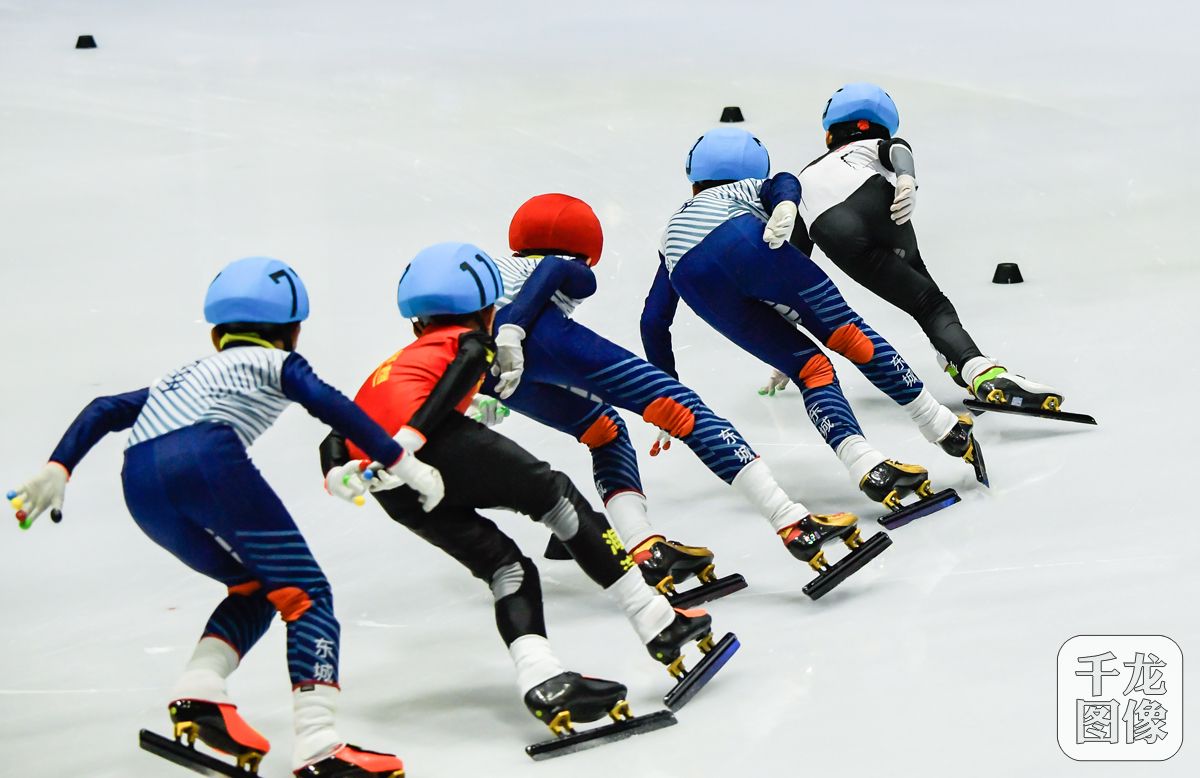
(101, 416)
(301, 385)
(572, 277)
(657, 315)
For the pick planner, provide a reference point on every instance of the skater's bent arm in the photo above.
(553, 274)
(475, 353)
(301, 385)
(781, 187)
(896, 155)
(657, 315)
(100, 417)
(334, 451)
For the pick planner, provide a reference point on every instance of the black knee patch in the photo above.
(517, 589)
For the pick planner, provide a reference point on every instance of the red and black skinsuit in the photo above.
(427, 386)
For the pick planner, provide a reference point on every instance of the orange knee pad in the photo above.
(669, 415)
(291, 602)
(849, 341)
(602, 432)
(817, 372)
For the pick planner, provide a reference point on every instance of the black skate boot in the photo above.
(890, 481)
(1000, 387)
(664, 563)
(570, 698)
(805, 538)
(667, 647)
(960, 442)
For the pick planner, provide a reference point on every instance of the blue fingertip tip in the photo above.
(10, 495)
(368, 475)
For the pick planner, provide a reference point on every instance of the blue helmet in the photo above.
(256, 289)
(448, 278)
(727, 154)
(862, 100)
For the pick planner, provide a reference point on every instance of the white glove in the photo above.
(906, 198)
(44, 490)
(661, 443)
(510, 359)
(488, 411)
(426, 480)
(347, 482)
(779, 226)
(776, 383)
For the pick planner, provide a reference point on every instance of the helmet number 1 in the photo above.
(479, 281)
(278, 274)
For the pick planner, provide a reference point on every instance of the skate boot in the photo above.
(1000, 387)
(891, 481)
(960, 442)
(221, 727)
(570, 697)
(805, 538)
(667, 647)
(350, 761)
(664, 563)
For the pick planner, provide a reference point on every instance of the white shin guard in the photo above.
(647, 610)
(314, 707)
(859, 457)
(535, 661)
(934, 419)
(628, 514)
(204, 677)
(759, 487)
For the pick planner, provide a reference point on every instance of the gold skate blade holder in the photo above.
(705, 644)
(560, 725)
(855, 539)
(676, 668)
(249, 761)
(1050, 403)
(892, 500)
(708, 574)
(666, 585)
(186, 732)
(621, 711)
(925, 489)
(996, 396)
(818, 562)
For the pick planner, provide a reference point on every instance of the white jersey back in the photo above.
(705, 212)
(241, 387)
(832, 178)
(515, 271)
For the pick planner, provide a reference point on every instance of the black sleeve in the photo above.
(476, 350)
(334, 452)
(885, 151)
(800, 237)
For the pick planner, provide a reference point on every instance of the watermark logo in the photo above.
(1120, 698)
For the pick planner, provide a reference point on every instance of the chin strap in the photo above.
(232, 337)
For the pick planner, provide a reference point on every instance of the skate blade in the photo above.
(708, 592)
(597, 736)
(920, 509)
(976, 407)
(556, 549)
(187, 756)
(698, 677)
(829, 580)
(976, 462)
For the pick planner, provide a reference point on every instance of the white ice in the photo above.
(343, 137)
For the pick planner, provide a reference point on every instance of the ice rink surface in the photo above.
(343, 137)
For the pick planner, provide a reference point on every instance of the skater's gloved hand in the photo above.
(661, 443)
(488, 411)
(510, 359)
(44, 490)
(347, 481)
(905, 200)
(776, 383)
(779, 226)
(425, 480)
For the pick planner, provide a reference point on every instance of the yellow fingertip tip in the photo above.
(17, 503)
(360, 500)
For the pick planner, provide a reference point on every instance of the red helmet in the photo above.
(556, 223)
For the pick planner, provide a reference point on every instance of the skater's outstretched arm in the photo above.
(657, 315)
(896, 155)
(301, 385)
(48, 486)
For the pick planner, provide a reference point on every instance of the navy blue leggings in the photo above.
(196, 493)
(755, 296)
(573, 378)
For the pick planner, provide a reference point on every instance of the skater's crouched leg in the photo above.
(593, 543)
